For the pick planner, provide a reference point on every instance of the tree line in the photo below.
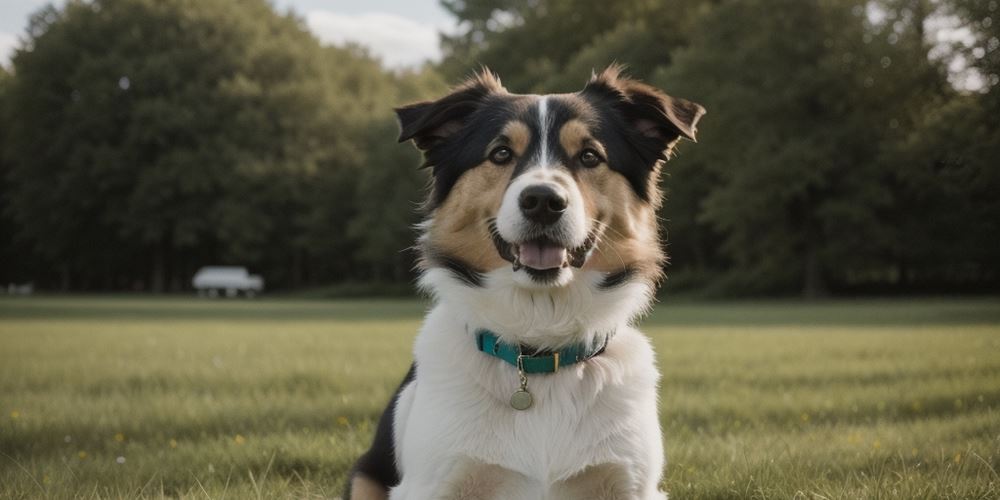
(848, 146)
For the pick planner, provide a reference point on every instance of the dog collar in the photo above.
(539, 362)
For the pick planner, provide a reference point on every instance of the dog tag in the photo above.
(521, 400)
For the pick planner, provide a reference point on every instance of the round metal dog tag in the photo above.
(521, 400)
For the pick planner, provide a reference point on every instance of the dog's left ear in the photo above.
(656, 120)
(430, 122)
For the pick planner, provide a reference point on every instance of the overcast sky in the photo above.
(401, 32)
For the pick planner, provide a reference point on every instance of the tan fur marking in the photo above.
(363, 488)
(519, 135)
(460, 226)
(630, 231)
(575, 135)
(597, 482)
(629, 235)
(474, 480)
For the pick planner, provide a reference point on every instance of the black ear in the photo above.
(657, 120)
(428, 123)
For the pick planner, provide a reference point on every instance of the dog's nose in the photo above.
(542, 204)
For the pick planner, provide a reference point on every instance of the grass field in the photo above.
(130, 397)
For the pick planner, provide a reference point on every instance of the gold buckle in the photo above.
(555, 356)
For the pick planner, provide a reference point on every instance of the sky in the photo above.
(402, 32)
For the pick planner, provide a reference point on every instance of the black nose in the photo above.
(542, 204)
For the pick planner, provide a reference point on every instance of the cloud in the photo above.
(398, 41)
(8, 42)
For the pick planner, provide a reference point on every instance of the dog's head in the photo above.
(546, 188)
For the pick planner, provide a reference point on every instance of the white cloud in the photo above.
(398, 41)
(8, 42)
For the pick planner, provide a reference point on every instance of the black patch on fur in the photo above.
(467, 148)
(639, 125)
(462, 271)
(379, 462)
(629, 154)
(474, 117)
(617, 279)
(543, 275)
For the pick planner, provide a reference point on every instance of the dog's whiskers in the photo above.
(605, 227)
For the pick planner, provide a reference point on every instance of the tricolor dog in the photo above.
(540, 249)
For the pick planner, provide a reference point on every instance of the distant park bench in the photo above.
(211, 281)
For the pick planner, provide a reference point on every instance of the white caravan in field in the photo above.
(231, 280)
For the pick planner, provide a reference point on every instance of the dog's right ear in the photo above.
(430, 122)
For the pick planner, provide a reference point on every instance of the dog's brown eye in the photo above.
(589, 158)
(501, 155)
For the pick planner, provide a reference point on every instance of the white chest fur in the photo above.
(595, 413)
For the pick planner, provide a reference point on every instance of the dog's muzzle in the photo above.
(542, 253)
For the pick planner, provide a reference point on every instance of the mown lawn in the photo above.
(131, 397)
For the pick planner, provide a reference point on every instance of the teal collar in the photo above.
(539, 362)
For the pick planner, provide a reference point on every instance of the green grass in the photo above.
(266, 399)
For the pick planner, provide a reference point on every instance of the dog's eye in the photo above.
(589, 158)
(501, 155)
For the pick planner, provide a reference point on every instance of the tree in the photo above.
(155, 136)
(946, 224)
(14, 266)
(390, 189)
(559, 42)
(799, 121)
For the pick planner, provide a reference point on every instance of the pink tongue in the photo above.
(541, 257)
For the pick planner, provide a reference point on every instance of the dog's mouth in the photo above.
(542, 256)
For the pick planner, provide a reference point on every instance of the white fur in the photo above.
(544, 155)
(592, 422)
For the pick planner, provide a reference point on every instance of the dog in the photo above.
(540, 249)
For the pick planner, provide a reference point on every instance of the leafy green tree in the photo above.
(14, 266)
(390, 188)
(548, 37)
(162, 135)
(946, 222)
(798, 125)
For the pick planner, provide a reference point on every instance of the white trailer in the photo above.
(231, 280)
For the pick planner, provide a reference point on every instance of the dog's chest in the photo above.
(587, 414)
